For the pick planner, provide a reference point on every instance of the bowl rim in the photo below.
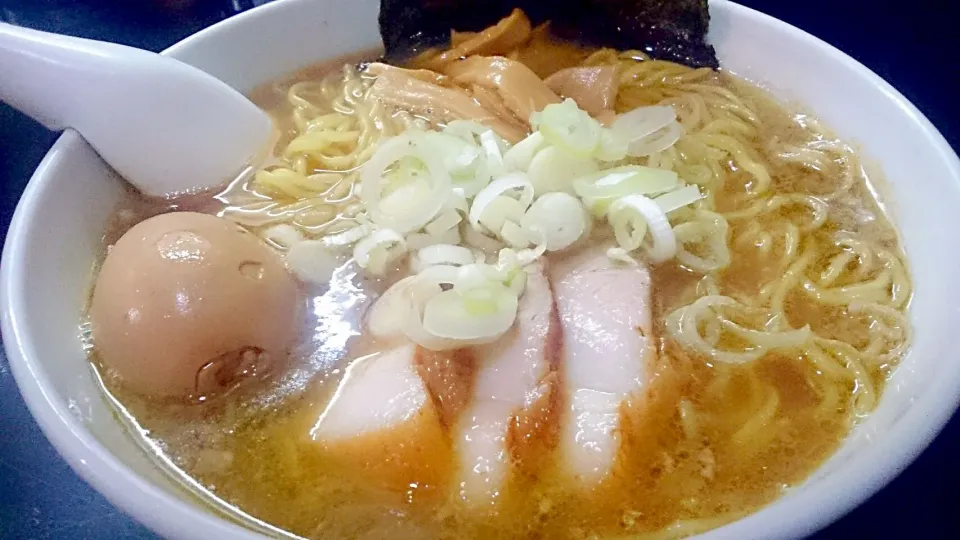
(170, 516)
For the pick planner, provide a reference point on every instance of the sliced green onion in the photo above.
(445, 254)
(600, 189)
(467, 130)
(313, 262)
(507, 260)
(417, 241)
(448, 219)
(441, 274)
(479, 301)
(405, 171)
(514, 183)
(477, 239)
(510, 259)
(283, 236)
(528, 256)
(642, 122)
(386, 316)
(459, 156)
(678, 198)
(475, 275)
(418, 205)
(647, 130)
(457, 202)
(375, 252)
(499, 212)
(618, 254)
(481, 318)
(518, 157)
(612, 147)
(657, 142)
(632, 217)
(554, 169)
(348, 237)
(559, 217)
(517, 283)
(420, 290)
(404, 195)
(469, 187)
(493, 148)
(513, 234)
(626, 180)
(569, 127)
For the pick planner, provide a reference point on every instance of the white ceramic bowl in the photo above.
(57, 228)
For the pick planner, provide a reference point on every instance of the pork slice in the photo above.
(448, 376)
(499, 39)
(422, 92)
(607, 357)
(382, 422)
(522, 91)
(512, 406)
(594, 88)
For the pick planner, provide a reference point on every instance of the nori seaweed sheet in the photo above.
(674, 30)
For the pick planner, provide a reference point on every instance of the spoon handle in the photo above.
(164, 125)
(37, 68)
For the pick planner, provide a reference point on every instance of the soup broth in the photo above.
(808, 246)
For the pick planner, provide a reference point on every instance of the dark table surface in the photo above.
(912, 45)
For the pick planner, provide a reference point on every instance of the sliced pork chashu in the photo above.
(607, 357)
(386, 419)
(509, 423)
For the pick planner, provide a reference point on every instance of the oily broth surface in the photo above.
(708, 444)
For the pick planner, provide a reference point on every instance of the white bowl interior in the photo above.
(57, 230)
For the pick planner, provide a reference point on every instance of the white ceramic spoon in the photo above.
(165, 126)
